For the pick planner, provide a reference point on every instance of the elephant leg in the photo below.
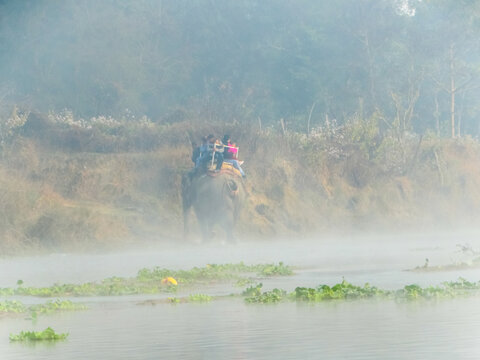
(230, 236)
(228, 226)
(186, 218)
(187, 195)
(186, 223)
(205, 230)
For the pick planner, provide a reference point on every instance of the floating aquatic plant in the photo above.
(17, 307)
(57, 305)
(347, 291)
(154, 281)
(253, 290)
(46, 335)
(276, 270)
(343, 290)
(213, 272)
(12, 306)
(244, 282)
(267, 297)
(199, 298)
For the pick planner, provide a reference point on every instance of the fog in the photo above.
(143, 326)
(358, 124)
(385, 259)
(244, 60)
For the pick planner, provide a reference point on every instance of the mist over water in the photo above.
(350, 114)
(331, 256)
(124, 327)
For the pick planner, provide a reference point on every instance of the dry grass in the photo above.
(56, 196)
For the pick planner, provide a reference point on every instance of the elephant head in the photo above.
(216, 199)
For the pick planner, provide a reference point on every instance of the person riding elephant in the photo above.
(230, 154)
(212, 152)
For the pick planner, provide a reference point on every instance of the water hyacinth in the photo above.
(199, 298)
(57, 305)
(347, 291)
(214, 272)
(46, 335)
(17, 307)
(12, 306)
(155, 280)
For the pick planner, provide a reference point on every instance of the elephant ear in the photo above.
(232, 188)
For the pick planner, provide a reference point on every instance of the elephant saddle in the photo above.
(227, 168)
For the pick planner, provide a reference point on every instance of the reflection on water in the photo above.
(233, 330)
(120, 328)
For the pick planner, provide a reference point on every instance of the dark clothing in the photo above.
(206, 156)
(219, 159)
(196, 154)
(227, 154)
(202, 155)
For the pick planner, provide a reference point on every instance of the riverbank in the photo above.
(74, 186)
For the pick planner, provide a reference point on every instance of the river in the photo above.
(229, 328)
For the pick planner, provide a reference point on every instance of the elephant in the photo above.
(216, 198)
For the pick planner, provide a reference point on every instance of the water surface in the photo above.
(124, 328)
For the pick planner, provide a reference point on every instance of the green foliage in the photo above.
(46, 335)
(365, 134)
(347, 291)
(244, 282)
(214, 272)
(343, 290)
(451, 289)
(199, 298)
(57, 305)
(108, 287)
(254, 294)
(253, 291)
(276, 270)
(17, 307)
(267, 297)
(12, 306)
(150, 281)
(462, 284)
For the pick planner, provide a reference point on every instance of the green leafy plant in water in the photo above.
(57, 305)
(276, 270)
(150, 281)
(268, 297)
(46, 335)
(462, 284)
(12, 306)
(450, 289)
(244, 282)
(17, 307)
(108, 287)
(343, 290)
(199, 298)
(347, 291)
(253, 290)
(213, 272)
(173, 300)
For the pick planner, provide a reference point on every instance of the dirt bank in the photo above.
(71, 188)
